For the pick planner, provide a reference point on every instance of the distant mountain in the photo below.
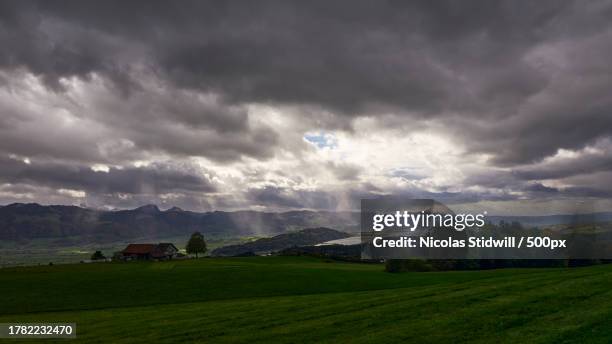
(24, 222)
(306, 237)
(29, 221)
(547, 220)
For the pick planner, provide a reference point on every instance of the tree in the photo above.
(97, 256)
(196, 244)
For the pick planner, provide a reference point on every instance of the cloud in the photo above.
(90, 122)
(469, 101)
(153, 179)
(564, 164)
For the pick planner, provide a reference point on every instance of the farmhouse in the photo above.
(161, 251)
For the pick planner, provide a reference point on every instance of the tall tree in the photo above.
(196, 244)
(98, 256)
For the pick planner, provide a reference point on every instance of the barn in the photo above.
(161, 251)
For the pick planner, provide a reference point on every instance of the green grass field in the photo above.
(295, 300)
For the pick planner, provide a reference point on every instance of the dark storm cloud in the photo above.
(443, 58)
(187, 124)
(157, 179)
(105, 127)
(428, 59)
(345, 55)
(588, 162)
(517, 80)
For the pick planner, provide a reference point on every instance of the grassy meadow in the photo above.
(297, 299)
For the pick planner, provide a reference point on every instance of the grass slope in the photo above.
(291, 299)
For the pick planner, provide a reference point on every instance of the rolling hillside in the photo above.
(305, 237)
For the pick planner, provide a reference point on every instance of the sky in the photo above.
(502, 106)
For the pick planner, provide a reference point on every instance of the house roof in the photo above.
(139, 249)
(155, 250)
(161, 250)
(166, 245)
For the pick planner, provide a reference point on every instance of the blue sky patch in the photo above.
(322, 140)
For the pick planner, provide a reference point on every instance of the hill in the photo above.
(305, 237)
(298, 299)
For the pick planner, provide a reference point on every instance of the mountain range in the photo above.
(20, 221)
(23, 222)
